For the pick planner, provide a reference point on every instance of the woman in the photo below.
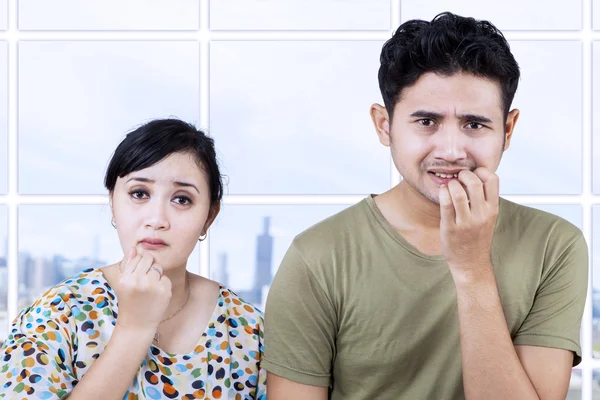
(144, 328)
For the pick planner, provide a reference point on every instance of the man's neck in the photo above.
(407, 208)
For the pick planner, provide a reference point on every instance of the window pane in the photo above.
(3, 14)
(3, 117)
(575, 385)
(86, 15)
(545, 152)
(596, 280)
(247, 243)
(78, 99)
(58, 241)
(295, 119)
(300, 14)
(596, 115)
(596, 385)
(3, 273)
(596, 11)
(555, 14)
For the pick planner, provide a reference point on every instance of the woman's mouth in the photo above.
(153, 244)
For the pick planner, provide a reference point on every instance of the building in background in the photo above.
(263, 267)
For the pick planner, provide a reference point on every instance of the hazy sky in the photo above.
(78, 99)
(555, 14)
(596, 110)
(3, 116)
(300, 14)
(109, 14)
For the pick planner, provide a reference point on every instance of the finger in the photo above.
(474, 188)
(130, 261)
(155, 270)
(145, 264)
(491, 185)
(460, 201)
(446, 207)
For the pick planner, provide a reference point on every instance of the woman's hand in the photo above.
(144, 293)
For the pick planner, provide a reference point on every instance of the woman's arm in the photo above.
(144, 295)
(112, 373)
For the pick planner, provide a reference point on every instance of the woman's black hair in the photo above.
(158, 139)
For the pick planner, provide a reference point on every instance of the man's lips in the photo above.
(444, 179)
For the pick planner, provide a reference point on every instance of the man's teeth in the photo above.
(446, 175)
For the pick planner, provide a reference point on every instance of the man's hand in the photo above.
(469, 208)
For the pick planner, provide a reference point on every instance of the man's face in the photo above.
(444, 124)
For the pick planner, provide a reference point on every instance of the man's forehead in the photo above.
(458, 94)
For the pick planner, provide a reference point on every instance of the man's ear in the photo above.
(511, 121)
(381, 121)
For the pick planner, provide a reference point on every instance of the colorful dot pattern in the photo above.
(55, 341)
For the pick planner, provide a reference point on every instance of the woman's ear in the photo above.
(212, 214)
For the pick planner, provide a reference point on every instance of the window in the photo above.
(284, 88)
(77, 100)
(73, 15)
(278, 121)
(3, 274)
(300, 15)
(555, 15)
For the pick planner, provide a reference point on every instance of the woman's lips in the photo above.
(150, 244)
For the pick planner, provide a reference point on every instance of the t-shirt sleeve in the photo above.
(555, 317)
(300, 324)
(36, 359)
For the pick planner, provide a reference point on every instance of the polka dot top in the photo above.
(55, 341)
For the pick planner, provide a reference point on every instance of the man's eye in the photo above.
(474, 125)
(426, 122)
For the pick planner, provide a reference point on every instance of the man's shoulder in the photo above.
(525, 222)
(336, 230)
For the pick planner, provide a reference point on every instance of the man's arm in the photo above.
(283, 389)
(492, 367)
(300, 329)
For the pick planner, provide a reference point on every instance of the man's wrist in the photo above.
(477, 275)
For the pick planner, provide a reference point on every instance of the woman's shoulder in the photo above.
(88, 286)
(240, 313)
(232, 299)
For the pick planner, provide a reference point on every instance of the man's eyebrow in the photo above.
(426, 114)
(475, 118)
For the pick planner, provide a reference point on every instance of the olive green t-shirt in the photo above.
(357, 308)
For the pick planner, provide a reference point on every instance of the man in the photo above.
(438, 288)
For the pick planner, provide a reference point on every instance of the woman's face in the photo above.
(163, 209)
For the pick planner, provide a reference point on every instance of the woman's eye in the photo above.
(183, 200)
(138, 194)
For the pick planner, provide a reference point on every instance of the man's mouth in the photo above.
(445, 176)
